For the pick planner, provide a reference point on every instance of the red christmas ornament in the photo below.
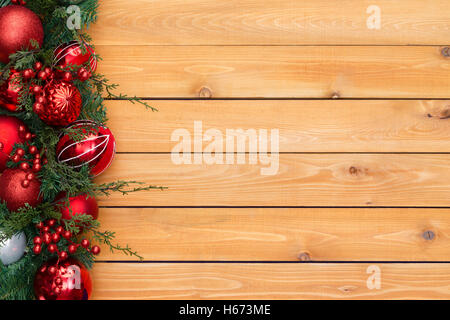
(10, 134)
(18, 26)
(60, 104)
(15, 192)
(81, 204)
(9, 91)
(66, 280)
(72, 54)
(97, 149)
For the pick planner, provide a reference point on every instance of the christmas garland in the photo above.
(53, 142)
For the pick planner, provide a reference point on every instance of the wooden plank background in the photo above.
(364, 168)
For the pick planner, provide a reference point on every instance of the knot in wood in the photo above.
(205, 92)
(428, 235)
(445, 52)
(304, 256)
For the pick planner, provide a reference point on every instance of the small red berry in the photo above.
(38, 66)
(37, 249)
(95, 250)
(59, 229)
(56, 237)
(47, 238)
(52, 270)
(37, 240)
(72, 249)
(20, 152)
(25, 183)
(52, 248)
(63, 255)
(24, 166)
(39, 225)
(28, 74)
(42, 75)
(85, 243)
(67, 234)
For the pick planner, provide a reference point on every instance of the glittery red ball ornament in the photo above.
(72, 54)
(68, 280)
(81, 204)
(62, 104)
(9, 91)
(9, 136)
(18, 26)
(97, 149)
(15, 193)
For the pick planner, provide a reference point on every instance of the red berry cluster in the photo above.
(50, 234)
(29, 160)
(19, 2)
(48, 75)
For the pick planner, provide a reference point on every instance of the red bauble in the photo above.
(97, 149)
(13, 191)
(62, 104)
(81, 204)
(9, 91)
(9, 136)
(18, 26)
(68, 280)
(72, 54)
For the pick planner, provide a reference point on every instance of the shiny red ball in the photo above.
(15, 194)
(63, 104)
(81, 204)
(69, 281)
(97, 149)
(9, 136)
(18, 26)
(72, 54)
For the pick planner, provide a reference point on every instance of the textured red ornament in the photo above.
(9, 91)
(63, 104)
(97, 149)
(14, 193)
(72, 54)
(9, 136)
(18, 26)
(81, 204)
(68, 280)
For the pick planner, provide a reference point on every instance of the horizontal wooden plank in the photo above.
(290, 72)
(301, 180)
(304, 125)
(208, 22)
(271, 281)
(344, 234)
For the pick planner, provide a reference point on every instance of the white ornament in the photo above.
(12, 250)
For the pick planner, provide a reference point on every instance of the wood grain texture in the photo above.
(269, 281)
(267, 234)
(302, 180)
(305, 126)
(270, 22)
(290, 72)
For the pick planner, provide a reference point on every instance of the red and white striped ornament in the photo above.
(72, 54)
(96, 149)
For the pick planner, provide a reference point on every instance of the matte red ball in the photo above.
(9, 136)
(18, 26)
(9, 91)
(71, 279)
(97, 149)
(81, 204)
(13, 192)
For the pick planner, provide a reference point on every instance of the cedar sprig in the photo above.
(125, 187)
